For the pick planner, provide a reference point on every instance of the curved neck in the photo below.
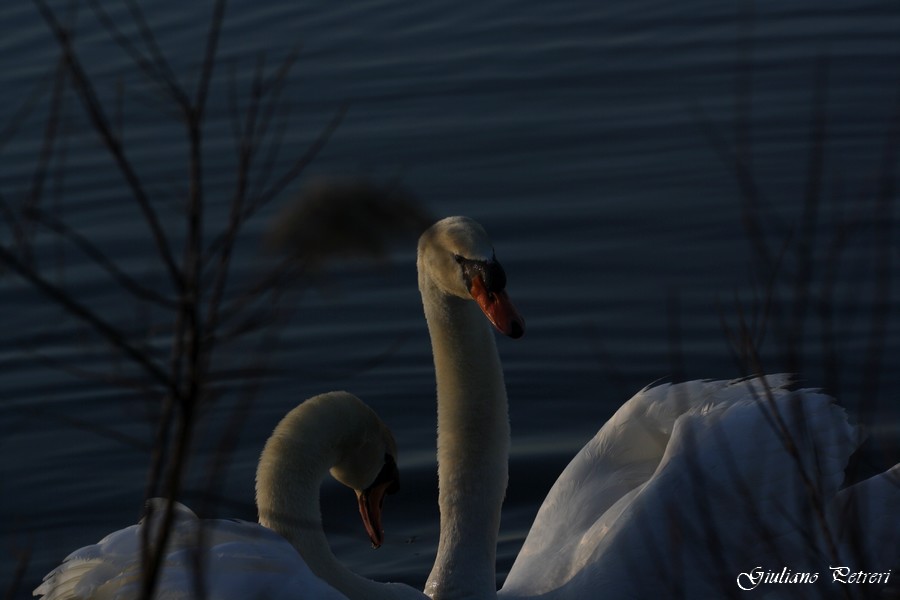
(473, 444)
(293, 464)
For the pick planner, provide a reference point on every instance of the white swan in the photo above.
(690, 485)
(685, 487)
(456, 264)
(273, 559)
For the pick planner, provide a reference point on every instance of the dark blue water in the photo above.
(598, 144)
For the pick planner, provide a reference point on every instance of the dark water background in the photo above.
(596, 142)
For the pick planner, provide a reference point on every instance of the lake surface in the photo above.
(596, 142)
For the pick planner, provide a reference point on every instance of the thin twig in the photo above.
(881, 293)
(209, 58)
(48, 416)
(47, 146)
(246, 151)
(20, 115)
(101, 125)
(298, 167)
(808, 220)
(18, 574)
(157, 70)
(99, 257)
(82, 313)
(159, 58)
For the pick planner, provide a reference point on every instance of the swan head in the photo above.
(457, 254)
(368, 465)
(333, 432)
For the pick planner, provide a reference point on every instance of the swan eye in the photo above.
(459, 259)
(491, 273)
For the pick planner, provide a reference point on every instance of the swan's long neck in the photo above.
(473, 444)
(287, 492)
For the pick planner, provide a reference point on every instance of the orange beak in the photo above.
(498, 308)
(371, 500)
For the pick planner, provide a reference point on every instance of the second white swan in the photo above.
(686, 487)
(286, 555)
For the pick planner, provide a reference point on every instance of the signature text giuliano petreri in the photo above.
(751, 579)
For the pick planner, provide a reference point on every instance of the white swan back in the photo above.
(238, 559)
(688, 485)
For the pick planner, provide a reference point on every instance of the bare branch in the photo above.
(297, 168)
(246, 152)
(120, 381)
(113, 144)
(150, 41)
(881, 293)
(49, 416)
(82, 313)
(12, 222)
(811, 207)
(46, 153)
(100, 258)
(21, 114)
(157, 71)
(209, 59)
(18, 574)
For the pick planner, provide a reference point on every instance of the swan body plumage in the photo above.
(284, 556)
(689, 485)
(244, 560)
(685, 487)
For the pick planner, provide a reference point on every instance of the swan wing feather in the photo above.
(239, 560)
(709, 465)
